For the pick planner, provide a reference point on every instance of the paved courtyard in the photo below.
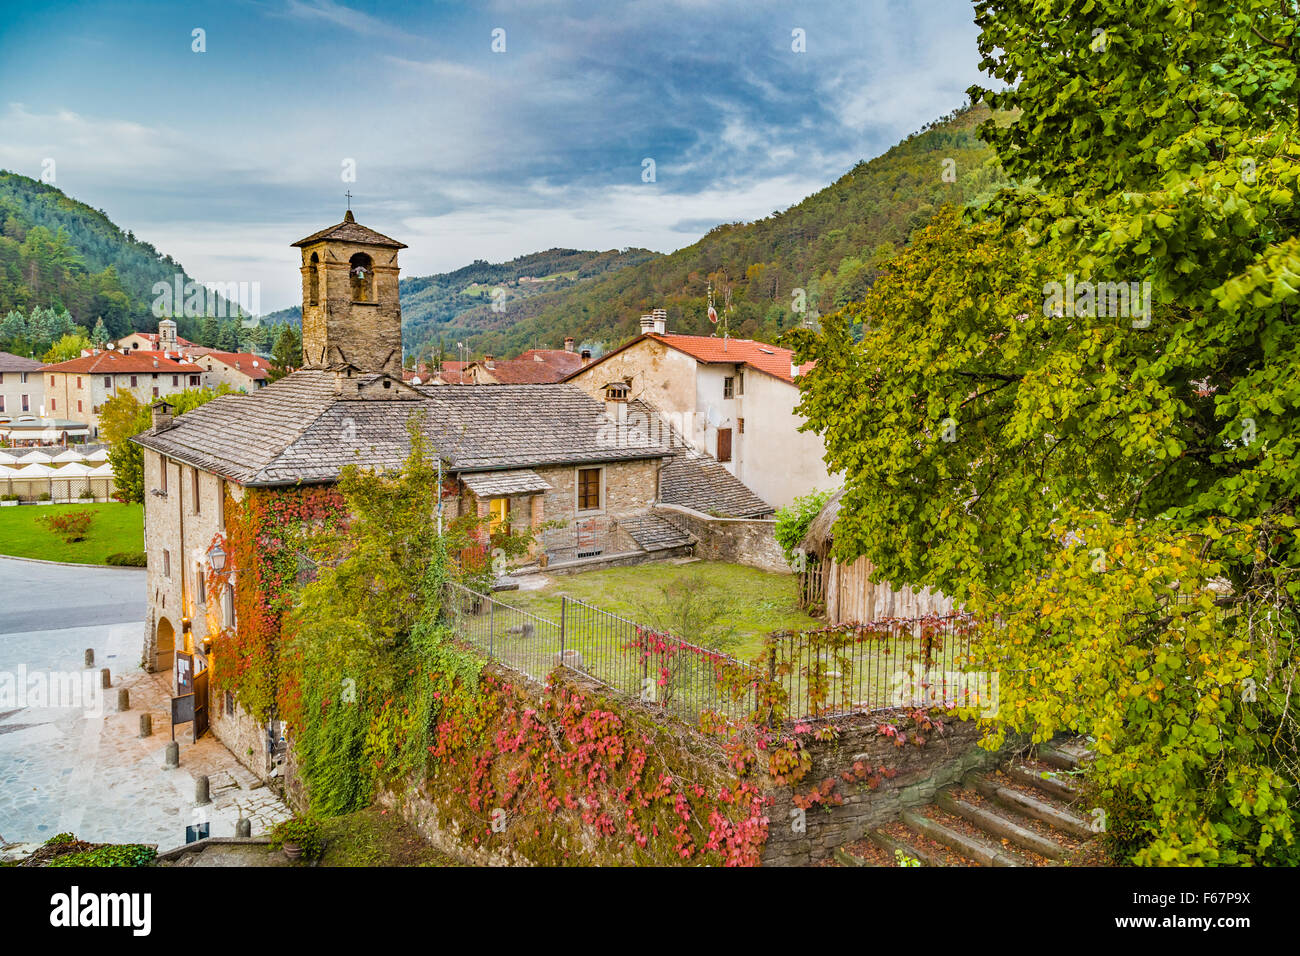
(69, 761)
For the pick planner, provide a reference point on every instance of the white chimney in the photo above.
(489, 361)
(568, 343)
(660, 317)
(616, 396)
(794, 369)
(647, 324)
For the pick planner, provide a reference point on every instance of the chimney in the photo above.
(794, 368)
(489, 361)
(647, 324)
(568, 343)
(537, 357)
(586, 356)
(160, 414)
(660, 317)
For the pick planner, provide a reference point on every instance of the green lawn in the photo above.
(117, 527)
(762, 601)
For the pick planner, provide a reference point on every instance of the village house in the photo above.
(77, 389)
(585, 473)
(242, 371)
(22, 390)
(164, 340)
(732, 399)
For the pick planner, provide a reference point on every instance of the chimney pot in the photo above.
(568, 343)
(647, 324)
(660, 319)
(586, 356)
(489, 361)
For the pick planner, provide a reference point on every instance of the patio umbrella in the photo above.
(70, 455)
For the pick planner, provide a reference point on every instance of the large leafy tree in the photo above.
(988, 425)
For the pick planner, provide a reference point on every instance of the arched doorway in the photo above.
(165, 648)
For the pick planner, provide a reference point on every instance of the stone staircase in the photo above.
(1025, 813)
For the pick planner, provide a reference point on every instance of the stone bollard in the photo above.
(201, 791)
(123, 700)
(173, 758)
(105, 678)
(243, 827)
(146, 725)
(90, 657)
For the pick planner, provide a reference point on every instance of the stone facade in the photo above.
(748, 541)
(627, 488)
(350, 308)
(178, 531)
(800, 838)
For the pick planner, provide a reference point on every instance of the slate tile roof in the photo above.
(349, 230)
(299, 430)
(16, 363)
(654, 532)
(494, 484)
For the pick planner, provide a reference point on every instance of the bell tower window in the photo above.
(362, 274)
(313, 281)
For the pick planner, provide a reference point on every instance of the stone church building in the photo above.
(536, 454)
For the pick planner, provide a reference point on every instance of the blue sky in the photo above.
(223, 158)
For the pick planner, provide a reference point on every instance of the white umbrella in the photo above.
(74, 470)
(72, 454)
(99, 454)
(34, 470)
(7, 457)
(102, 471)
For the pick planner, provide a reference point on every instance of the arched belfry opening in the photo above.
(361, 270)
(313, 280)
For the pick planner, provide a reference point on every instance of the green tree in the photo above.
(99, 334)
(123, 416)
(1116, 336)
(69, 346)
(287, 354)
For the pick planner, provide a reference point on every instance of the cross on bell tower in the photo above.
(350, 309)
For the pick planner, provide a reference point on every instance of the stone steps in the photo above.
(1018, 816)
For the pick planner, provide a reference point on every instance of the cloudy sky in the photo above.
(224, 157)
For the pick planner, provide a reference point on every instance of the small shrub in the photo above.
(127, 559)
(8, 497)
(71, 525)
(87, 495)
(43, 496)
(792, 522)
(122, 854)
(61, 838)
(301, 832)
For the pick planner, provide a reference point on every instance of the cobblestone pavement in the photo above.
(70, 761)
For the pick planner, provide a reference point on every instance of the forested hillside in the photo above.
(830, 245)
(432, 305)
(56, 251)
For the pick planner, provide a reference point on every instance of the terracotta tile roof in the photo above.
(251, 365)
(349, 230)
(16, 363)
(153, 337)
(770, 359)
(536, 366)
(299, 430)
(116, 363)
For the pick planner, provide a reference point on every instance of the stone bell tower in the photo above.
(350, 312)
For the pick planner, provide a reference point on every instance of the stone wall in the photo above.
(920, 772)
(748, 541)
(629, 487)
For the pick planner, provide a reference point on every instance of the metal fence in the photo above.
(862, 668)
(831, 672)
(657, 669)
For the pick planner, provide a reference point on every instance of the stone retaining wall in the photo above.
(747, 541)
(920, 772)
